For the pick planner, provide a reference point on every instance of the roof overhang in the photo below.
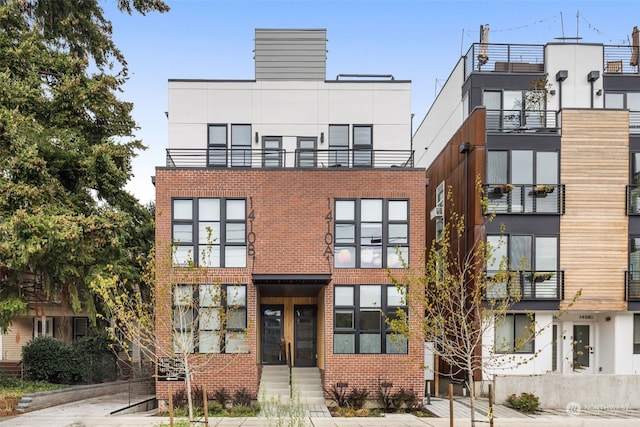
(290, 285)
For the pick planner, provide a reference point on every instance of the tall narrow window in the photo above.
(306, 154)
(636, 333)
(634, 268)
(236, 319)
(371, 233)
(210, 319)
(80, 327)
(634, 188)
(183, 333)
(272, 151)
(339, 145)
(241, 145)
(439, 210)
(182, 231)
(492, 100)
(217, 147)
(235, 234)
(362, 146)
(43, 327)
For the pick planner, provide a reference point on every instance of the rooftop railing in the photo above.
(278, 158)
(528, 58)
(618, 59)
(504, 58)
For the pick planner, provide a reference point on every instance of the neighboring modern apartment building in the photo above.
(553, 133)
(295, 194)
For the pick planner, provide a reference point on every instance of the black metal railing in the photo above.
(521, 120)
(633, 199)
(634, 122)
(278, 158)
(504, 58)
(527, 58)
(618, 59)
(632, 286)
(538, 285)
(525, 199)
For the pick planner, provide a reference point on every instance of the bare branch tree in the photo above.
(202, 319)
(462, 303)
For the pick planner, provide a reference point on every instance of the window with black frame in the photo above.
(523, 181)
(633, 286)
(533, 258)
(338, 146)
(361, 320)
(241, 145)
(217, 145)
(209, 318)
(514, 334)
(636, 333)
(209, 232)
(272, 152)
(362, 146)
(371, 233)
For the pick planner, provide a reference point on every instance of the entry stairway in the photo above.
(280, 385)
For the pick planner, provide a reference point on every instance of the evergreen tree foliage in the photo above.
(66, 145)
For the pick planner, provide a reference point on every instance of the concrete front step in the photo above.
(306, 384)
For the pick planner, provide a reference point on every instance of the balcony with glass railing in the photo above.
(525, 199)
(279, 158)
(527, 285)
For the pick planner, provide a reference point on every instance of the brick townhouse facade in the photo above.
(296, 196)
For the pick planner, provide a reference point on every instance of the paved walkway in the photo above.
(462, 409)
(96, 413)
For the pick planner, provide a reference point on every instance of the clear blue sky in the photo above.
(417, 40)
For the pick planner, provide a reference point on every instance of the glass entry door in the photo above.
(582, 349)
(305, 335)
(273, 351)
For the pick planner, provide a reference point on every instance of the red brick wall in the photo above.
(290, 208)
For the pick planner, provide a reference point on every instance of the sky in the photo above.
(417, 40)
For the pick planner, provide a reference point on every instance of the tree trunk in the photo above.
(187, 383)
(472, 388)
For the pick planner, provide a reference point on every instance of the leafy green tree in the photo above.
(80, 27)
(66, 145)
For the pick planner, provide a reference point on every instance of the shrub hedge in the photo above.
(87, 360)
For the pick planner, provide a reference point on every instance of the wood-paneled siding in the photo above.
(594, 229)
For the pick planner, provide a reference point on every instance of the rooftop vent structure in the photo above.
(290, 54)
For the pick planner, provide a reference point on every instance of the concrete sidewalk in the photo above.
(96, 412)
